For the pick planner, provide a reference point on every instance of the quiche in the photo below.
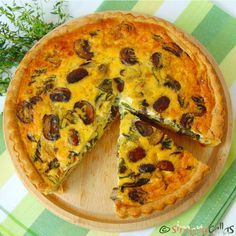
(153, 171)
(71, 84)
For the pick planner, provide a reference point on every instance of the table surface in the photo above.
(228, 6)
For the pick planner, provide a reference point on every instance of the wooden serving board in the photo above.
(86, 198)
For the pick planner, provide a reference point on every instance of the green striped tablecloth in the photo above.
(22, 214)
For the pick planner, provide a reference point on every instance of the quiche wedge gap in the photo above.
(153, 172)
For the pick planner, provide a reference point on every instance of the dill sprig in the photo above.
(25, 26)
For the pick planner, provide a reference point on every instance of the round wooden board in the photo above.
(86, 199)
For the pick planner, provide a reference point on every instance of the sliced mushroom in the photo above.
(127, 56)
(143, 128)
(156, 137)
(86, 111)
(51, 127)
(103, 68)
(60, 95)
(73, 137)
(126, 26)
(54, 59)
(172, 84)
(24, 112)
(165, 165)
(120, 84)
(146, 168)
(136, 154)
(157, 37)
(137, 195)
(182, 102)
(173, 48)
(187, 120)
(199, 101)
(82, 49)
(140, 182)
(122, 167)
(76, 75)
(201, 110)
(35, 99)
(161, 104)
(122, 29)
(155, 58)
(53, 165)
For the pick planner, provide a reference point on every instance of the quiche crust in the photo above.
(16, 89)
(124, 210)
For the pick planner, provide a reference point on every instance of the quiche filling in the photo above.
(74, 85)
(151, 168)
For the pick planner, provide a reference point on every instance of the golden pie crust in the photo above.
(210, 87)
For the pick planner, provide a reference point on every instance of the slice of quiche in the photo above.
(59, 126)
(172, 87)
(153, 171)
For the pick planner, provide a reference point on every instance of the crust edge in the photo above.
(123, 211)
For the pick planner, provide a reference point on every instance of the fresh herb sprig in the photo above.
(25, 25)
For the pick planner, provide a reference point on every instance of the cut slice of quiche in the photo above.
(67, 127)
(153, 171)
(171, 81)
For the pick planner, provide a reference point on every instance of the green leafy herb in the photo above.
(25, 25)
(106, 86)
(166, 143)
(37, 154)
